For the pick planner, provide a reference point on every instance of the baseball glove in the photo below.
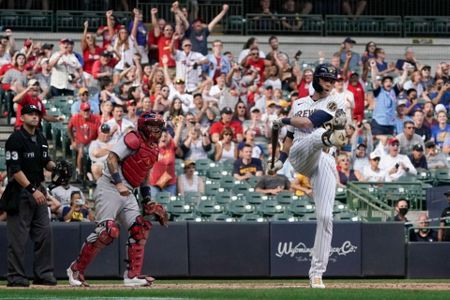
(157, 210)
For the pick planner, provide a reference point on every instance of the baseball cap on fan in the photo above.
(30, 108)
(85, 106)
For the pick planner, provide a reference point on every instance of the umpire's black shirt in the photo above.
(27, 153)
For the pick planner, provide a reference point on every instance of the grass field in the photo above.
(241, 289)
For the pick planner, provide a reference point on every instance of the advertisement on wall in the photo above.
(291, 248)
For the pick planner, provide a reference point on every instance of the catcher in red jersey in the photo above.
(127, 167)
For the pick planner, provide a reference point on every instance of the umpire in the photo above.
(25, 201)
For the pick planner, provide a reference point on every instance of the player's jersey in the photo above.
(305, 107)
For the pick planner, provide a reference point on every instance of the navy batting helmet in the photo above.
(325, 71)
(150, 126)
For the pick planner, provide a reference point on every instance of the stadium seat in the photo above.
(270, 208)
(207, 208)
(189, 218)
(163, 197)
(339, 207)
(194, 197)
(300, 208)
(228, 165)
(346, 216)
(216, 173)
(202, 166)
(179, 207)
(252, 181)
(442, 176)
(241, 188)
(224, 198)
(309, 217)
(254, 198)
(284, 217)
(285, 197)
(222, 218)
(227, 182)
(252, 218)
(211, 188)
(239, 208)
(341, 194)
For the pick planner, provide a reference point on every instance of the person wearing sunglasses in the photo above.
(372, 172)
(395, 164)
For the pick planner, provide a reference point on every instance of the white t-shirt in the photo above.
(94, 145)
(67, 64)
(126, 55)
(371, 175)
(186, 99)
(119, 130)
(5, 59)
(387, 162)
(185, 68)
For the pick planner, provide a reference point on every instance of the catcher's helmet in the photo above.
(62, 173)
(150, 126)
(324, 71)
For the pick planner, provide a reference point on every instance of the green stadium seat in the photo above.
(442, 176)
(239, 208)
(189, 218)
(202, 166)
(341, 194)
(179, 207)
(211, 188)
(252, 181)
(300, 208)
(228, 166)
(309, 217)
(227, 182)
(270, 208)
(284, 217)
(208, 208)
(285, 197)
(216, 173)
(339, 207)
(224, 198)
(222, 218)
(346, 216)
(193, 197)
(163, 198)
(255, 198)
(252, 218)
(242, 187)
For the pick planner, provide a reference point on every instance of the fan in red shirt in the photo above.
(159, 181)
(164, 40)
(226, 121)
(357, 89)
(30, 96)
(104, 66)
(253, 61)
(305, 82)
(153, 41)
(82, 130)
(91, 52)
(104, 30)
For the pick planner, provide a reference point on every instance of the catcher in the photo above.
(127, 167)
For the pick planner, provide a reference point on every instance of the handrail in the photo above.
(371, 202)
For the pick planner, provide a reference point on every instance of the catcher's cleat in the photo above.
(137, 281)
(76, 278)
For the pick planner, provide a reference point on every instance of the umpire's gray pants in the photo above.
(32, 220)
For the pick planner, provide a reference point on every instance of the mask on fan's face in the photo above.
(403, 211)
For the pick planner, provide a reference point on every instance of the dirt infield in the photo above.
(266, 285)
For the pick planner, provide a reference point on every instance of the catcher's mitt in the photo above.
(156, 209)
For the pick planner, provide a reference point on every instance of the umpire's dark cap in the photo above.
(30, 108)
(447, 193)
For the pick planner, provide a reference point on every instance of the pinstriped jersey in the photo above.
(305, 107)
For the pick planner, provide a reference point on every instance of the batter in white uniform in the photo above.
(305, 142)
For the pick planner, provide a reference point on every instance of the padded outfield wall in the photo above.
(252, 250)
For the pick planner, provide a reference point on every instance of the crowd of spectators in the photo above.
(219, 105)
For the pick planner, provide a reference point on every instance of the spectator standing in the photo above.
(82, 130)
(383, 118)
(166, 41)
(198, 32)
(99, 150)
(118, 123)
(442, 130)
(419, 127)
(141, 35)
(417, 157)
(104, 32)
(408, 138)
(347, 96)
(218, 63)
(83, 97)
(435, 158)
(373, 171)
(409, 62)
(395, 164)
(360, 157)
(401, 116)
(415, 82)
(225, 148)
(91, 54)
(65, 70)
(197, 144)
(355, 58)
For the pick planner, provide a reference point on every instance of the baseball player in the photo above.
(127, 167)
(316, 121)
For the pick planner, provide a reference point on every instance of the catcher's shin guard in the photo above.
(138, 235)
(107, 231)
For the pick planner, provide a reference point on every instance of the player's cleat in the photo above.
(137, 281)
(316, 283)
(76, 278)
(336, 138)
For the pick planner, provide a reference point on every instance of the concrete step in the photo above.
(4, 136)
(6, 128)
